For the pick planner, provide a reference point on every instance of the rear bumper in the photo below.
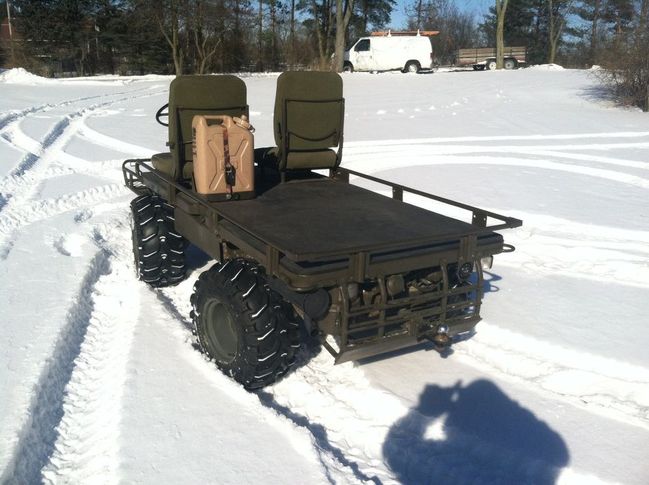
(396, 323)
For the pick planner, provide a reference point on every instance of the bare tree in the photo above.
(557, 22)
(292, 36)
(344, 9)
(501, 9)
(168, 16)
(206, 40)
(323, 22)
(644, 13)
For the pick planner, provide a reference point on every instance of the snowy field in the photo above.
(100, 382)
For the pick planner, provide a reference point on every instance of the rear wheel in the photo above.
(348, 67)
(412, 66)
(249, 331)
(509, 64)
(159, 251)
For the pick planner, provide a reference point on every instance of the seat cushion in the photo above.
(164, 162)
(311, 159)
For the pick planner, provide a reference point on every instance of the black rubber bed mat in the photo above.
(311, 219)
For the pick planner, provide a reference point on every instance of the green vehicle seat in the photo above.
(308, 122)
(190, 96)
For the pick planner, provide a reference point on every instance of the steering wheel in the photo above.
(163, 114)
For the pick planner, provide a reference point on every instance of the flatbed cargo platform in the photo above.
(304, 228)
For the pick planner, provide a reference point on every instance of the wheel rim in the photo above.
(221, 332)
(412, 67)
(491, 66)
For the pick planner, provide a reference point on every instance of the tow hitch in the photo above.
(441, 338)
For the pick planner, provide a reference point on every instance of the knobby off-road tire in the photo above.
(246, 328)
(158, 249)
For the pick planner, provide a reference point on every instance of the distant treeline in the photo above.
(83, 37)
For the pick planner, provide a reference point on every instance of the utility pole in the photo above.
(11, 35)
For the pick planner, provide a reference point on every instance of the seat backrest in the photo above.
(200, 95)
(308, 120)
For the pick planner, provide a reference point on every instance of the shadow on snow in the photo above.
(473, 434)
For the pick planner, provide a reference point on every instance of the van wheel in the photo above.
(348, 67)
(491, 65)
(158, 250)
(509, 64)
(245, 327)
(412, 66)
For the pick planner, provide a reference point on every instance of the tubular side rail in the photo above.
(479, 216)
(132, 171)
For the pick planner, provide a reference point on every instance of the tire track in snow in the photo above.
(73, 432)
(585, 380)
(567, 157)
(38, 436)
(51, 145)
(43, 209)
(383, 161)
(469, 139)
(333, 455)
(19, 187)
(97, 138)
(87, 445)
(548, 245)
(18, 115)
(358, 418)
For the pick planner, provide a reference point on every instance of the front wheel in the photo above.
(158, 250)
(249, 331)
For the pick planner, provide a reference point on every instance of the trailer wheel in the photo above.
(245, 327)
(490, 65)
(509, 64)
(159, 251)
(412, 66)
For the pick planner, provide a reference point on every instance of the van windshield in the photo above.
(350, 45)
(363, 45)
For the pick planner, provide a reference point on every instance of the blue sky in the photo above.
(478, 7)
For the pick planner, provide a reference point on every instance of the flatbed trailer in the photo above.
(482, 58)
(315, 251)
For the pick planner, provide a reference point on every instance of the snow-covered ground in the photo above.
(99, 378)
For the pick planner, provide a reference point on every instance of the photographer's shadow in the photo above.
(473, 434)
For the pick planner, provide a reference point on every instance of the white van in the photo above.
(410, 53)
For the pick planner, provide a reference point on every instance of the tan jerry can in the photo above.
(223, 153)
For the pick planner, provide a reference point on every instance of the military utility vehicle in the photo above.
(363, 272)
